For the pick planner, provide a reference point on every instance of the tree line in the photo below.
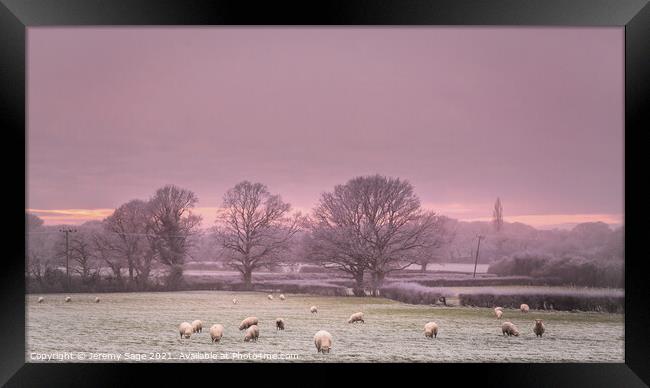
(365, 228)
(370, 225)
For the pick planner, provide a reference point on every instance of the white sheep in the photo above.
(270, 296)
(282, 297)
(248, 322)
(509, 329)
(67, 299)
(356, 317)
(323, 341)
(538, 329)
(197, 326)
(499, 313)
(41, 299)
(279, 324)
(431, 330)
(524, 308)
(216, 332)
(234, 301)
(185, 330)
(498, 309)
(313, 309)
(252, 333)
(96, 299)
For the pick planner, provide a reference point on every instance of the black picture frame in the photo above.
(18, 15)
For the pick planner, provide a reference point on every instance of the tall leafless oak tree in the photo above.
(372, 223)
(171, 227)
(254, 228)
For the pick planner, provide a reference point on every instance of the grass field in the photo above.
(131, 324)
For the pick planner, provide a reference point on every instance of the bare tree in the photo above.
(497, 224)
(254, 228)
(128, 224)
(83, 256)
(170, 228)
(104, 245)
(497, 215)
(38, 248)
(372, 223)
(441, 235)
(332, 243)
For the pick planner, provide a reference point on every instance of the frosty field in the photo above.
(143, 327)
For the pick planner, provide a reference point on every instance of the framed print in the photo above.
(378, 188)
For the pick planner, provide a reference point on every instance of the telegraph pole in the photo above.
(480, 237)
(67, 232)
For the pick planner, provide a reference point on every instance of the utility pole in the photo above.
(480, 237)
(67, 232)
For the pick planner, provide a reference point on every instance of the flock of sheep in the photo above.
(323, 339)
(509, 329)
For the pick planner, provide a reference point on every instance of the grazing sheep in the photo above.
(323, 341)
(524, 308)
(356, 317)
(67, 299)
(539, 327)
(185, 330)
(252, 333)
(234, 301)
(279, 324)
(509, 329)
(498, 309)
(282, 297)
(216, 332)
(499, 313)
(270, 296)
(248, 322)
(313, 309)
(431, 330)
(197, 326)
(41, 299)
(96, 299)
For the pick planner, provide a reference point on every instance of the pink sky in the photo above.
(533, 115)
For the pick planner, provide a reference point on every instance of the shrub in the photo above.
(518, 265)
(495, 281)
(567, 270)
(302, 286)
(413, 293)
(584, 300)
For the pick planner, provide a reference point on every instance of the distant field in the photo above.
(453, 267)
(200, 268)
(146, 323)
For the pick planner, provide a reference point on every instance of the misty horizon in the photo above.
(208, 215)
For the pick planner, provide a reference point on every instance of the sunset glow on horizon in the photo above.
(208, 215)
